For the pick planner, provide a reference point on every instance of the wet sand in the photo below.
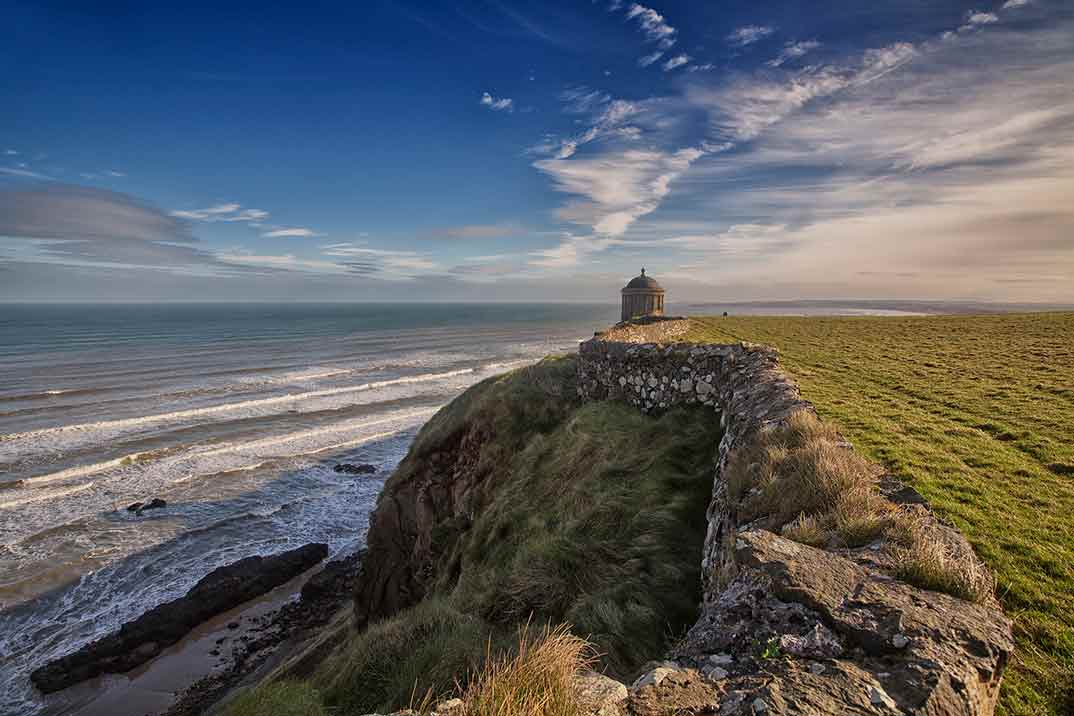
(155, 686)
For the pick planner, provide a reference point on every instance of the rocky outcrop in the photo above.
(786, 628)
(139, 641)
(806, 631)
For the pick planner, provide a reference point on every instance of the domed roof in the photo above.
(643, 281)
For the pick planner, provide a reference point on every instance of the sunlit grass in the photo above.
(977, 413)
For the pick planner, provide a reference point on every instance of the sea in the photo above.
(235, 415)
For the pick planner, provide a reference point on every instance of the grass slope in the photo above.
(977, 413)
(594, 516)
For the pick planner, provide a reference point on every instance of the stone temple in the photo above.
(643, 296)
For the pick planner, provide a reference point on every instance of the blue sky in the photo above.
(505, 150)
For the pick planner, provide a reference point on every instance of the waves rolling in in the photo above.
(235, 415)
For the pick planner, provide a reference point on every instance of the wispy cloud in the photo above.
(388, 264)
(618, 187)
(609, 117)
(749, 34)
(936, 177)
(478, 231)
(497, 104)
(10, 152)
(646, 60)
(297, 232)
(975, 20)
(677, 61)
(81, 226)
(793, 50)
(228, 212)
(1011, 4)
(745, 107)
(653, 25)
(22, 172)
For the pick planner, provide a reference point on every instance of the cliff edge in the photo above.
(683, 508)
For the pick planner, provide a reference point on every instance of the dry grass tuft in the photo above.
(807, 530)
(538, 680)
(802, 468)
(930, 562)
(802, 479)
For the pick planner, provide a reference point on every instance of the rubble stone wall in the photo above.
(786, 628)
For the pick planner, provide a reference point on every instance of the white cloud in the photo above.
(677, 61)
(793, 50)
(114, 173)
(617, 188)
(10, 152)
(981, 18)
(707, 67)
(1011, 4)
(646, 60)
(285, 262)
(653, 25)
(297, 232)
(388, 264)
(748, 105)
(497, 104)
(26, 173)
(975, 19)
(609, 117)
(229, 212)
(749, 34)
(944, 179)
(570, 251)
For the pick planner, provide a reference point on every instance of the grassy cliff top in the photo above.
(977, 413)
(543, 510)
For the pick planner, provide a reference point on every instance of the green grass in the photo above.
(285, 698)
(591, 515)
(977, 413)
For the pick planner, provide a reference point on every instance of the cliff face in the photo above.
(520, 502)
(449, 473)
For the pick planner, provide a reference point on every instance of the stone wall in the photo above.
(786, 628)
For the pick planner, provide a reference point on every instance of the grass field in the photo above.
(977, 413)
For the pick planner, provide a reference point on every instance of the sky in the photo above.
(500, 150)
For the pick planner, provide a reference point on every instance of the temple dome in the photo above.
(643, 281)
(642, 297)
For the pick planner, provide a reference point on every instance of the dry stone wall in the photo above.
(786, 628)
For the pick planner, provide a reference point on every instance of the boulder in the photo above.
(155, 504)
(140, 640)
(670, 690)
(347, 468)
(601, 695)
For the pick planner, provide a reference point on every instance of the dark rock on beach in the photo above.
(336, 581)
(155, 504)
(323, 595)
(347, 468)
(140, 640)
